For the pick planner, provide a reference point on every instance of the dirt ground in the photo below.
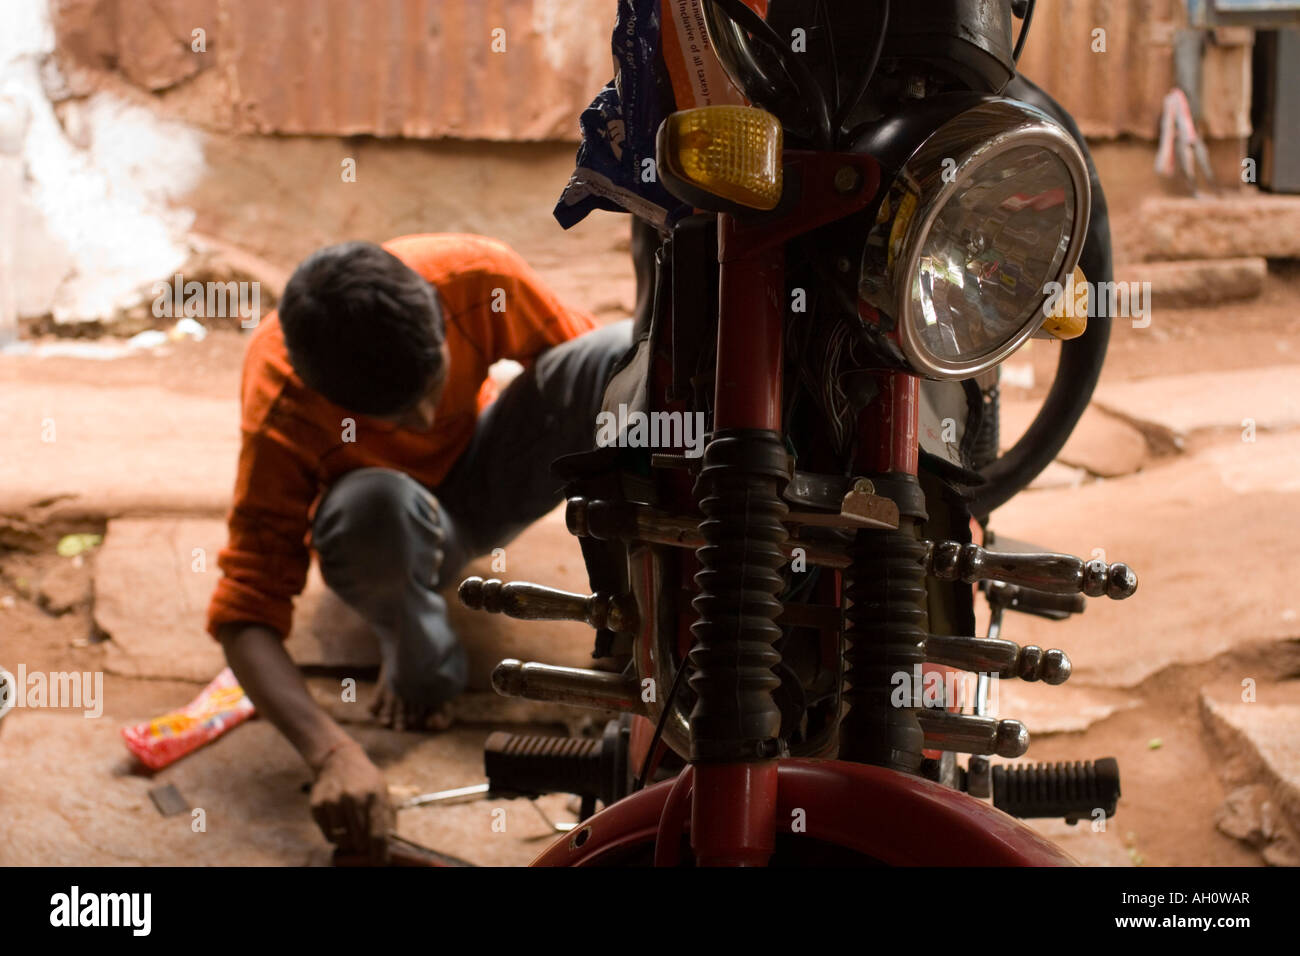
(72, 790)
(1171, 772)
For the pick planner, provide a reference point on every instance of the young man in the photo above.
(372, 435)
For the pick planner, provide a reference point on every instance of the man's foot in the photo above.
(391, 711)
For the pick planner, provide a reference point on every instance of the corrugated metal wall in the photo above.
(1119, 92)
(1112, 93)
(417, 68)
(427, 68)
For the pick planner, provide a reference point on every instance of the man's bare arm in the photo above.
(272, 681)
(350, 798)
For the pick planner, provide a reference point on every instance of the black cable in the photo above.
(739, 13)
(659, 729)
(1024, 31)
(823, 15)
(844, 109)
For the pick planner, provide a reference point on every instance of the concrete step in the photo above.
(1260, 764)
(1196, 283)
(1226, 228)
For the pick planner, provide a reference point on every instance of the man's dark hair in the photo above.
(362, 328)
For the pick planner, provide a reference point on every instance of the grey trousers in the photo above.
(387, 544)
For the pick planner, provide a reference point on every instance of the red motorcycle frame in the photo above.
(707, 542)
(733, 809)
(888, 817)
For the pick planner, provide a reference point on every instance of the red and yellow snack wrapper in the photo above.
(166, 739)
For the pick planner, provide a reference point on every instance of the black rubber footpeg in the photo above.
(529, 765)
(1017, 597)
(1072, 791)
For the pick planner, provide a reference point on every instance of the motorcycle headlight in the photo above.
(989, 210)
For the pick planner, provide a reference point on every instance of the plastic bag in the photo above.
(663, 64)
(166, 739)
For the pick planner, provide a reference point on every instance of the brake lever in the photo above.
(1053, 573)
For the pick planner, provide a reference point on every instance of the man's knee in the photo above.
(607, 345)
(574, 375)
(369, 528)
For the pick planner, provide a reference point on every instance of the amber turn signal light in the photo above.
(1067, 317)
(732, 153)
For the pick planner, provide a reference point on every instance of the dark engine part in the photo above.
(969, 42)
(971, 39)
(1073, 791)
(529, 765)
(984, 449)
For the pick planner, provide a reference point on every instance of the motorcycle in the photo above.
(787, 619)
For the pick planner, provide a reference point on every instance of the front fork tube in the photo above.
(886, 618)
(736, 725)
(733, 814)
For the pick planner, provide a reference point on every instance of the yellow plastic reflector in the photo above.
(1068, 319)
(733, 152)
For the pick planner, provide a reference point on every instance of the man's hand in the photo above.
(350, 803)
(350, 799)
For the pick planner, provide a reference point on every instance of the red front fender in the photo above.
(897, 819)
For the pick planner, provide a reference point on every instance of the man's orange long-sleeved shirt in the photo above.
(293, 444)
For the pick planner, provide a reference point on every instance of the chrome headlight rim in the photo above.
(972, 138)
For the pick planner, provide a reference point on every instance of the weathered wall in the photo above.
(93, 213)
(1118, 92)
(422, 76)
(427, 68)
(486, 69)
(491, 69)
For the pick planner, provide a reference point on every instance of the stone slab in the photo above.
(1194, 530)
(1100, 444)
(1259, 747)
(1184, 404)
(139, 449)
(155, 576)
(73, 796)
(1057, 475)
(1063, 709)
